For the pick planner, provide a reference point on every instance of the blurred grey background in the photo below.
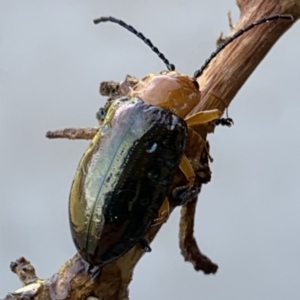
(52, 61)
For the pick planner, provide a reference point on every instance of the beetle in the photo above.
(123, 178)
(113, 199)
(176, 92)
(96, 208)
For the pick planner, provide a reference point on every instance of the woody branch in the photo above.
(219, 84)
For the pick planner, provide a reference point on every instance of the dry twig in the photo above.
(219, 84)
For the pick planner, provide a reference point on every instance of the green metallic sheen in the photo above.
(123, 178)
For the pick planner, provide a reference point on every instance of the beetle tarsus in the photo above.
(145, 245)
(183, 194)
(224, 122)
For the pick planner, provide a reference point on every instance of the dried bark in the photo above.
(218, 84)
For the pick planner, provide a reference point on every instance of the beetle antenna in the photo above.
(170, 66)
(237, 34)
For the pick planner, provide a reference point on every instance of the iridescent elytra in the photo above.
(123, 178)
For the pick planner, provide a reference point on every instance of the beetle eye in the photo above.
(196, 84)
(101, 114)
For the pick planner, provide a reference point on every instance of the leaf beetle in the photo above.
(123, 178)
(180, 94)
(95, 209)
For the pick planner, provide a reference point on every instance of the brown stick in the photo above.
(187, 241)
(232, 67)
(86, 133)
(219, 84)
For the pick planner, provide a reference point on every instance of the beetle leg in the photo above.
(188, 171)
(203, 117)
(203, 172)
(163, 213)
(224, 122)
(145, 245)
(183, 194)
